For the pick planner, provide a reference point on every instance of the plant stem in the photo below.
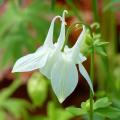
(96, 19)
(95, 10)
(74, 9)
(92, 77)
(53, 2)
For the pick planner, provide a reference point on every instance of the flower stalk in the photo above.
(95, 10)
(92, 78)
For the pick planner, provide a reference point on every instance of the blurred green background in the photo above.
(23, 28)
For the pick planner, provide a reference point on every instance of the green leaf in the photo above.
(40, 117)
(37, 88)
(7, 92)
(108, 112)
(2, 115)
(102, 43)
(76, 111)
(88, 39)
(16, 107)
(98, 43)
(111, 4)
(55, 113)
(100, 51)
(101, 103)
(51, 111)
(86, 105)
(5, 59)
(98, 117)
(63, 115)
(1, 2)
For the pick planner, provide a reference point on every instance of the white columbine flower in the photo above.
(57, 65)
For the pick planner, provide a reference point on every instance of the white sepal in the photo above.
(78, 44)
(30, 62)
(86, 76)
(64, 78)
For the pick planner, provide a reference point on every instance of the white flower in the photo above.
(44, 55)
(57, 65)
(64, 76)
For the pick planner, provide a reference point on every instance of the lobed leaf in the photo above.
(102, 103)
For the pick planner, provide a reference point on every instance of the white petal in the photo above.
(86, 76)
(64, 79)
(46, 70)
(81, 58)
(31, 62)
(49, 38)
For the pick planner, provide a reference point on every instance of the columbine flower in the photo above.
(64, 76)
(57, 65)
(44, 56)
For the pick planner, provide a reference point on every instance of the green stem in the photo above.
(74, 9)
(53, 2)
(95, 10)
(92, 77)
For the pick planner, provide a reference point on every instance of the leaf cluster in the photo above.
(94, 41)
(17, 108)
(54, 113)
(102, 108)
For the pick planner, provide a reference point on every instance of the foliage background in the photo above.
(23, 27)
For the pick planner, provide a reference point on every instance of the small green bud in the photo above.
(37, 89)
(88, 40)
